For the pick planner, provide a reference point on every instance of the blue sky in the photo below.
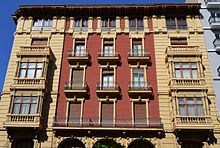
(7, 26)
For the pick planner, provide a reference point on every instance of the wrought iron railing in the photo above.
(72, 85)
(73, 53)
(111, 85)
(138, 53)
(139, 85)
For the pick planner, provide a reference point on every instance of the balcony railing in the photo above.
(75, 85)
(141, 56)
(107, 86)
(80, 29)
(110, 57)
(214, 22)
(139, 85)
(113, 28)
(141, 28)
(78, 57)
(217, 44)
(21, 120)
(183, 50)
(191, 122)
(40, 50)
(195, 83)
(111, 122)
(29, 83)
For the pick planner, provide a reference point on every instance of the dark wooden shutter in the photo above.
(178, 41)
(140, 116)
(39, 41)
(77, 78)
(137, 42)
(74, 112)
(107, 114)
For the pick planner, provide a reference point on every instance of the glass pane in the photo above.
(194, 74)
(17, 100)
(177, 65)
(186, 73)
(182, 110)
(30, 73)
(178, 74)
(33, 109)
(77, 23)
(199, 100)
(185, 65)
(39, 65)
(200, 110)
(16, 108)
(31, 65)
(34, 100)
(191, 111)
(23, 65)
(26, 100)
(24, 108)
(181, 100)
(193, 65)
(22, 73)
(190, 101)
(111, 81)
(38, 73)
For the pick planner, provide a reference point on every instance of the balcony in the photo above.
(183, 50)
(23, 120)
(113, 28)
(29, 83)
(212, 3)
(107, 89)
(78, 57)
(192, 122)
(113, 123)
(217, 45)
(80, 29)
(76, 89)
(141, 56)
(140, 28)
(140, 89)
(34, 51)
(108, 58)
(214, 22)
(188, 83)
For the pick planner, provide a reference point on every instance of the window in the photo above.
(23, 143)
(190, 106)
(74, 113)
(140, 115)
(136, 47)
(42, 24)
(108, 23)
(108, 47)
(215, 17)
(30, 70)
(138, 78)
(216, 42)
(77, 78)
(80, 47)
(107, 113)
(176, 23)
(24, 105)
(81, 24)
(136, 24)
(186, 70)
(178, 41)
(36, 41)
(107, 78)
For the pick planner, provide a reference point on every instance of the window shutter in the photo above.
(140, 116)
(107, 113)
(39, 42)
(77, 77)
(74, 112)
(178, 41)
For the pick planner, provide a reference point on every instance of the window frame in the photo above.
(184, 71)
(136, 24)
(108, 23)
(27, 69)
(176, 23)
(81, 24)
(42, 25)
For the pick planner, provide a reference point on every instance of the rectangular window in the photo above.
(108, 47)
(24, 105)
(108, 23)
(74, 113)
(186, 70)
(107, 113)
(77, 78)
(30, 70)
(81, 24)
(107, 78)
(178, 41)
(136, 24)
(80, 49)
(42, 24)
(137, 49)
(138, 78)
(176, 23)
(190, 106)
(140, 115)
(38, 41)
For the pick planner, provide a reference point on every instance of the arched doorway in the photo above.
(107, 143)
(140, 143)
(71, 143)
